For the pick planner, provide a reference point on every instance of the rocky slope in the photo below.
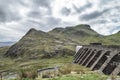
(81, 34)
(40, 44)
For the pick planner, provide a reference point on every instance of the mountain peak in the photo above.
(34, 31)
(31, 30)
(57, 30)
(83, 26)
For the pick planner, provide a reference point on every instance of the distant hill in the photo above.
(6, 44)
(113, 39)
(57, 42)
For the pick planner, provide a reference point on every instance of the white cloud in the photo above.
(17, 17)
(59, 4)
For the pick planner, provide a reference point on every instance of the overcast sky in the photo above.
(18, 16)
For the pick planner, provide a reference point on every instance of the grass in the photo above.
(37, 63)
(30, 73)
(80, 77)
(67, 71)
(84, 74)
(27, 67)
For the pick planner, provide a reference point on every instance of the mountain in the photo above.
(3, 51)
(113, 39)
(82, 34)
(57, 42)
(79, 30)
(6, 44)
(37, 43)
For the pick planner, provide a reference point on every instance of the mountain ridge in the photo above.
(57, 42)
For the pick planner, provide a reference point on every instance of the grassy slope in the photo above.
(60, 41)
(39, 44)
(81, 34)
(82, 73)
(113, 39)
(17, 64)
(80, 77)
(3, 50)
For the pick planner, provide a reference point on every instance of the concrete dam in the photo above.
(104, 58)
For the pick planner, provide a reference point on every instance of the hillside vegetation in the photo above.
(58, 42)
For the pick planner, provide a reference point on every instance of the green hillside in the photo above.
(40, 44)
(58, 42)
(82, 34)
(113, 39)
(3, 51)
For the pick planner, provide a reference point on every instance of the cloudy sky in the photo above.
(18, 16)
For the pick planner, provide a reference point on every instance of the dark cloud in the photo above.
(34, 14)
(53, 21)
(65, 11)
(35, 24)
(115, 20)
(43, 3)
(104, 2)
(7, 13)
(103, 21)
(49, 23)
(2, 16)
(83, 8)
(38, 6)
(93, 15)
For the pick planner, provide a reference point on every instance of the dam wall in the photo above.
(105, 58)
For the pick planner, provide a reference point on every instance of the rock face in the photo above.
(57, 42)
